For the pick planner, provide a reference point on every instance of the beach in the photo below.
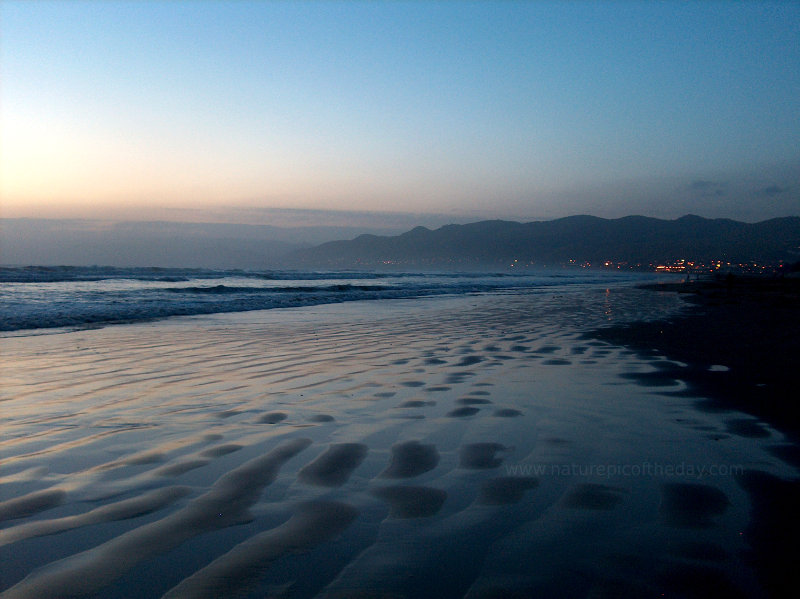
(748, 324)
(740, 345)
(482, 445)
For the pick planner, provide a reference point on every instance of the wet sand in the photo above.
(478, 446)
(740, 339)
(737, 347)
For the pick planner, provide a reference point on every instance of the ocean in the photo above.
(34, 298)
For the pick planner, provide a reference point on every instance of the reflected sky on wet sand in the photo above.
(321, 452)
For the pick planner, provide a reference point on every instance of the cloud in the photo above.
(774, 190)
(707, 189)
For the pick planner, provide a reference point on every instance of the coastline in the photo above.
(739, 348)
(739, 341)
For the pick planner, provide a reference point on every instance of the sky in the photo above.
(244, 111)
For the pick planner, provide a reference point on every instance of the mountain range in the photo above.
(485, 245)
(632, 240)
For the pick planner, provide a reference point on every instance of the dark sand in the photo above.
(410, 459)
(750, 326)
(411, 502)
(506, 489)
(737, 348)
(333, 468)
(481, 455)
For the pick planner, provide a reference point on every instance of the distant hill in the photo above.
(632, 240)
(77, 242)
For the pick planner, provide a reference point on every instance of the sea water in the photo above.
(40, 297)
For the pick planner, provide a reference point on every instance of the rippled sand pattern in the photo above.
(452, 447)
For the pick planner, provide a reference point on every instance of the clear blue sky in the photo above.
(487, 109)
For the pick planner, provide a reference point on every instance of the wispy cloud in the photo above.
(707, 189)
(774, 190)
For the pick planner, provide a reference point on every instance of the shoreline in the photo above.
(739, 341)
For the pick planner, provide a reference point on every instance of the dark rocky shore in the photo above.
(751, 326)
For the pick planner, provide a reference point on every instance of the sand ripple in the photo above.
(497, 488)
(31, 503)
(121, 510)
(481, 455)
(334, 467)
(411, 458)
(226, 503)
(232, 574)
